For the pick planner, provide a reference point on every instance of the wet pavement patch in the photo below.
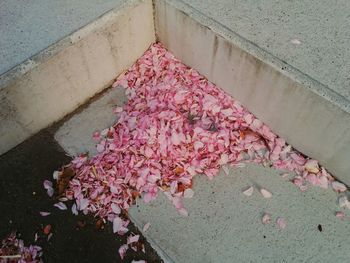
(22, 197)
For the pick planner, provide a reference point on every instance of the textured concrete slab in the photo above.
(300, 109)
(54, 82)
(321, 26)
(75, 135)
(225, 226)
(27, 27)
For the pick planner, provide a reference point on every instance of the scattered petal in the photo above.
(249, 191)
(266, 219)
(117, 224)
(340, 214)
(146, 227)
(343, 202)
(74, 209)
(42, 213)
(122, 251)
(60, 206)
(265, 193)
(47, 229)
(281, 223)
(132, 239)
(338, 187)
(295, 41)
(312, 166)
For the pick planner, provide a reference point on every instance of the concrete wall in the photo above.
(275, 92)
(56, 81)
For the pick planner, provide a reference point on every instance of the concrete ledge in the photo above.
(307, 114)
(56, 81)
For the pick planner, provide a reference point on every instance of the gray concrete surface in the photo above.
(310, 116)
(223, 224)
(54, 82)
(75, 135)
(28, 27)
(321, 26)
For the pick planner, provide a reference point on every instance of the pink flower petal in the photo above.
(340, 214)
(115, 208)
(42, 213)
(312, 166)
(281, 223)
(146, 227)
(249, 191)
(60, 206)
(265, 193)
(338, 187)
(132, 239)
(74, 209)
(266, 219)
(122, 251)
(117, 224)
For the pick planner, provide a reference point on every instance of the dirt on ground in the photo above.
(22, 197)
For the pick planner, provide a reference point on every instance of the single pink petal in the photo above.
(42, 213)
(96, 136)
(74, 209)
(266, 219)
(248, 191)
(340, 214)
(226, 169)
(55, 175)
(338, 187)
(60, 206)
(312, 166)
(132, 239)
(122, 251)
(118, 110)
(295, 41)
(265, 193)
(83, 203)
(49, 236)
(281, 223)
(117, 224)
(182, 211)
(323, 182)
(50, 192)
(285, 175)
(47, 184)
(343, 202)
(115, 208)
(146, 227)
(198, 145)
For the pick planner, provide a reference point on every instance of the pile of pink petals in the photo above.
(176, 124)
(13, 250)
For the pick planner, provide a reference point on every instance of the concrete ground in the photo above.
(28, 27)
(321, 26)
(22, 197)
(223, 224)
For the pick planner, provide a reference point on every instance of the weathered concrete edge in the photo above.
(305, 119)
(161, 253)
(70, 72)
(12, 74)
(255, 50)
